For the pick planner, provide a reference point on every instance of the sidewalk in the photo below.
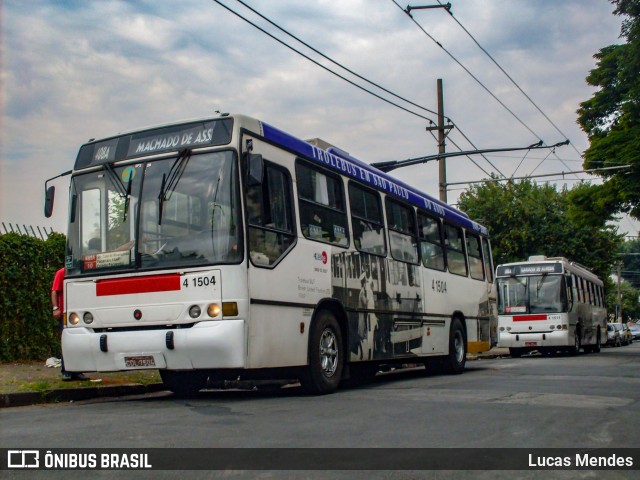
(31, 383)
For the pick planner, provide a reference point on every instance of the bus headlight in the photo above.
(213, 310)
(74, 318)
(195, 311)
(87, 317)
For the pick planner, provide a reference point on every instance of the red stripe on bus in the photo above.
(529, 318)
(149, 284)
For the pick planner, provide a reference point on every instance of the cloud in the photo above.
(74, 70)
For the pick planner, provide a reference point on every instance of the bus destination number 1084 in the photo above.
(203, 281)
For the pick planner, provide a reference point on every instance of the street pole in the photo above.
(442, 162)
(619, 319)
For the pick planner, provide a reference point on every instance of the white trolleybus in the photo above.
(227, 249)
(550, 304)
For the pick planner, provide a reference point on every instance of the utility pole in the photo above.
(441, 128)
(619, 319)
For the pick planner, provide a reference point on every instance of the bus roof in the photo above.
(340, 161)
(213, 131)
(538, 265)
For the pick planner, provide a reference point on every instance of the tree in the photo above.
(611, 119)
(630, 257)
(630, 302)
(526, 219)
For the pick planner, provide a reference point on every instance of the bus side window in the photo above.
(475, 256)
(488, 261)
(321, 206)
(403, 241)
(367, 220)
(454, 241)
(271, 231)
(431, 244)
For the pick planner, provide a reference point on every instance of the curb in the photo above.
(22, 399)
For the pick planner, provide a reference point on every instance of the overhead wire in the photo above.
(455, 19)
(478, 80)
(469, 72)
(320, 65)
(306, 44)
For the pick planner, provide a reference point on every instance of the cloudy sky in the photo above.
(73, 70)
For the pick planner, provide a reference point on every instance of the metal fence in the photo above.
(38, 232)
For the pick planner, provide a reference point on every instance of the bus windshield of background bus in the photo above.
(535, 294)
(197, 224)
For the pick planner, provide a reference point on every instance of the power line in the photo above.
(353, 73)
(407, 11)
(455, 19)
(469, 72)
(320, 65)
(334, 61)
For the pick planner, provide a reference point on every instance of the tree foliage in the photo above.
(526, 219)
(611, 119)
(28, 331)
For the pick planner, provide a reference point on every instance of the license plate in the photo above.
(530, 344)
(139, 361)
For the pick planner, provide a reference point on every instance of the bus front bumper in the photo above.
(534, 340)
(206, 345)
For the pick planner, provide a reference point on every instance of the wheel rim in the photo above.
(328, 353)
(458, 346)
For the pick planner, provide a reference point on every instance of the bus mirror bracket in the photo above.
(50, 193)
(255, 168)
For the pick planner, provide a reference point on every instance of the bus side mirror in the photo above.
(50, 194)
(255, 168)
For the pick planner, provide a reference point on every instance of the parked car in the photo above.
(625, 336)
(613, 336)
(635, 331)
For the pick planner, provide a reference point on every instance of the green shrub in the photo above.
(28, 330)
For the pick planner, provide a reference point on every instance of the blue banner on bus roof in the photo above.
(361, 171)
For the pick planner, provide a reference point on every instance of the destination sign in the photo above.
(154, 141)
(529, 269)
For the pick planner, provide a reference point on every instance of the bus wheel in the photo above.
(326, 360)
(457, 357)
(515, 352)
(183, 383)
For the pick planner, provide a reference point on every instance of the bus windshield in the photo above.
(532, 294)
(164, 213)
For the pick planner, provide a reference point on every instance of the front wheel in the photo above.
(326, 359)
(515, 352)
(183, 383)
(457, 358)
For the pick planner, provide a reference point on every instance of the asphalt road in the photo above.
(587, 401)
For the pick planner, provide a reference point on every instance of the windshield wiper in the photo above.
(115, 179)
(170, 180)
(127, 197)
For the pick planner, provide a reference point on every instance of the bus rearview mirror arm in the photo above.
(50, 193)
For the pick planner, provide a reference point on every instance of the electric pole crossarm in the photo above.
(393, 164)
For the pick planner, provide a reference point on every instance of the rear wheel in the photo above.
(455, 361)
(326, 359)
(183, 383)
